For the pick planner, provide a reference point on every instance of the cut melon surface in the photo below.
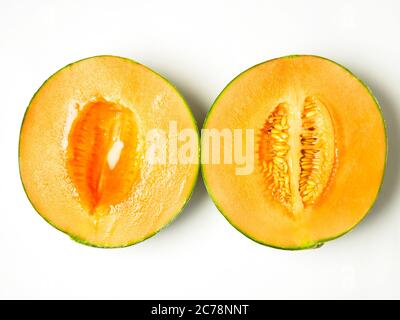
(83, 152)
(319, 152)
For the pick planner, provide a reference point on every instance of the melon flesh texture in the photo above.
(83, 152)
(102, 156)
(319, 154)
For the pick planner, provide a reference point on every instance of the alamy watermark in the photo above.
(219, 146)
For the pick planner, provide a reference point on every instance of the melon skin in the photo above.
(311, 244)
(75, 237)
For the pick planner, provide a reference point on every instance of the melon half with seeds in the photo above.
(319, 152)
(85, 161)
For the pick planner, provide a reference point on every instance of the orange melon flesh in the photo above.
(101, 156)
(83, 152)
(313, 195)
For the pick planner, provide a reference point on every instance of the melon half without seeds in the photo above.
(84, 149)
(319, 154)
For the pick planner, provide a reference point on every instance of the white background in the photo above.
(200, 46)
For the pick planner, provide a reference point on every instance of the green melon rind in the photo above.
(77, 238)
(314, 244)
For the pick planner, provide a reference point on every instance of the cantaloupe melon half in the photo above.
(87, 163)
(319, 152)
